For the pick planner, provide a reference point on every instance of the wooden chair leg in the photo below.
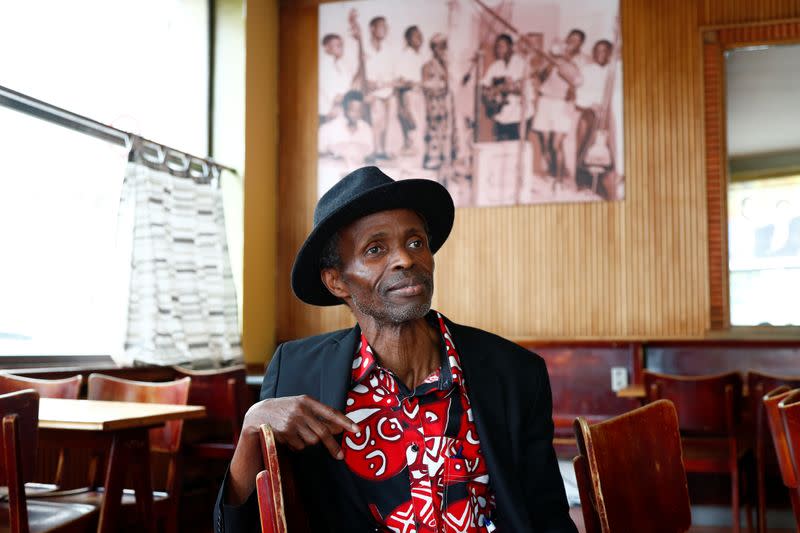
(795, 496)
(761, 489)
(735, 503)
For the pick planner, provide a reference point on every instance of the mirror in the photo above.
(762, 90)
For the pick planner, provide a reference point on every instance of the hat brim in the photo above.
(427, 197)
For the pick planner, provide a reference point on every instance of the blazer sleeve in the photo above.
(244, 517)
(547, 500)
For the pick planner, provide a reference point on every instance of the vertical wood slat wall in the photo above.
(637, 268)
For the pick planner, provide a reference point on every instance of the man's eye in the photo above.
(372, 250)
(417, 243)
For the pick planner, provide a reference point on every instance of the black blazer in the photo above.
(512, 405)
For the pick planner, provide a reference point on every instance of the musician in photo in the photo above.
(410, 102)
(441, 140)
(380, 83)
(558, 81)
(347, 137)
(501, 87)
(590, 98)
(336, 75)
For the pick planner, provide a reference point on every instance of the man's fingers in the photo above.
(335, 420)
(325, 436)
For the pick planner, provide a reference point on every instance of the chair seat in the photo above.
(708, 455)
(45, 516)
(211, 450)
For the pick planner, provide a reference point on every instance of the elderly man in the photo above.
(407, 422)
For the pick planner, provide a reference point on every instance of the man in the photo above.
(406, 422)
(348, 136)
(441, 135)
(501, 87)
(335, 77)
(589, 100)
(380, 81)
(409, 94)
(554, 116)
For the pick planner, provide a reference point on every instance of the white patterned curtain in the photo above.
(182, 300)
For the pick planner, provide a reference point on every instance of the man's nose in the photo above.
(401, 259)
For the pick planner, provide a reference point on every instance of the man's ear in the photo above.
(332, 279)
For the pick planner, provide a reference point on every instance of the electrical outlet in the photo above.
(619, 378)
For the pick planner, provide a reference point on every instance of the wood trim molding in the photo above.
(715, 43)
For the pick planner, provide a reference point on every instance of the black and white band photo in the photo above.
(503, 102)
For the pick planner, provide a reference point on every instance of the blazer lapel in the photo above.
(337, 364)
(489, 410)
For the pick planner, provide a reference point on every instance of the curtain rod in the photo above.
(56, 115)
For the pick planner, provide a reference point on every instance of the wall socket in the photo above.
(619, 378)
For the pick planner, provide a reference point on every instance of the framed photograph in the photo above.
(503, 102)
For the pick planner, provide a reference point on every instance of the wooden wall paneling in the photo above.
(637, 268)
(715, 12)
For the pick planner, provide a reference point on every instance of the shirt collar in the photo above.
(364, 361)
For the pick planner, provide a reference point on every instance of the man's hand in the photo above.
(300, 421)
(297, 421)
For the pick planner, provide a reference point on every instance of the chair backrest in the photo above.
(270, 486)
(770, 401)
(68, 388)
(789, 408)
(223, 392)
(20, 418)
(759, 384)
(166, 439)
(630, 472)
(709, 405)
(279, 501)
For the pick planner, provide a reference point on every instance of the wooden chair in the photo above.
(758, 385)
(278, 502)
(772, 413)
(224, 394)
(630, 472)
(20, 414)
(709, 411)
(165, 441)
(789, 408)
(68, 388)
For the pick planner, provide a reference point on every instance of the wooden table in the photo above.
(121, 428)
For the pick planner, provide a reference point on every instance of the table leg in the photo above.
(142, 482)
(129, 449)
(118, 459)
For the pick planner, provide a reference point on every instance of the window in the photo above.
(763, 144)
(141, 66)
(764, 251)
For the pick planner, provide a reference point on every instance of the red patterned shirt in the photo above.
(417, 460)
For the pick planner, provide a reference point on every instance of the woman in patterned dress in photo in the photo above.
(441, 146)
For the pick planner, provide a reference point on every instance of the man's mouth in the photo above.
(408, 287)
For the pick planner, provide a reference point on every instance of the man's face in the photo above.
(353, 111)
(574, 43)
(501, 49)
(379, 30)
(335, 48)
(415, 39)
(387, 266)
(601, 54)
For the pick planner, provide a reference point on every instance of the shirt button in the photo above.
(414, 447)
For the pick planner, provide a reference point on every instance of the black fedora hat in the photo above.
(360, 193)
